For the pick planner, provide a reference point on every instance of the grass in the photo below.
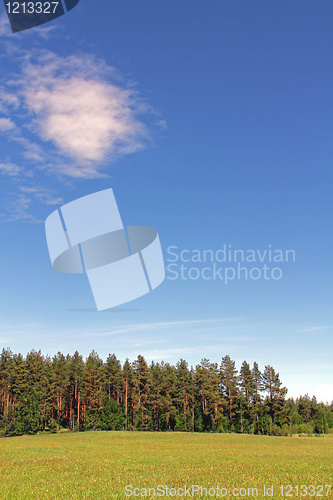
(98, 465)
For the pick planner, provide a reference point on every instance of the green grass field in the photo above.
(98, 465)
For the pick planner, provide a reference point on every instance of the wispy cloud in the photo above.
(43, 194)
(5, 29)
(165, 325)
(6, 124)
(8, 100)
(314, 328)
(31, 151)
(18, 209)
(140, 336)
(10, 169)
(44, 32)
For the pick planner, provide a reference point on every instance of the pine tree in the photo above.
(113, 377)
(247, 393)
(29, 412)
(207, 381)
(276, 396)
(76, 370)
(60, 382)
(127, 390)
(183, 395)
(141, 391)
(6, 360)
(256, 406)
(229, 385)
(18, 380)
(246, 384)
(169, 409)
(93, 381)
(35, 363)
(155, 394)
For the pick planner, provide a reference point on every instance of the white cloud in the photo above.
(32, 151)
(5, 29)
(43, 194)
(83, 117)
(6, 124)
(162, 124)
(44, 32)
(10, 169)
(7, 100)
(19, 207)
(18, 210)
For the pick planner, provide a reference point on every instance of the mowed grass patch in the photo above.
(98, 465)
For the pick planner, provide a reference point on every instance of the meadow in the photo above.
(98, 465)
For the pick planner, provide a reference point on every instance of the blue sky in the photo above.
(212, 122)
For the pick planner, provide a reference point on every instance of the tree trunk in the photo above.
(126, 405)
(78, 411)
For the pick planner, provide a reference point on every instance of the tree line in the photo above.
(39, 393)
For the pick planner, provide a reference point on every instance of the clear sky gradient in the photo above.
(212, 122)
